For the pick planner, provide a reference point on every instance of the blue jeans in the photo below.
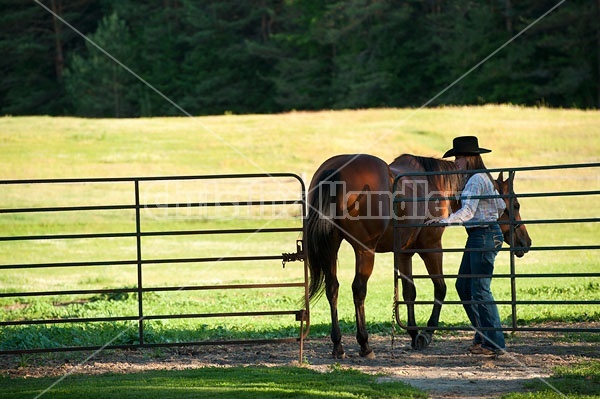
(482, 315)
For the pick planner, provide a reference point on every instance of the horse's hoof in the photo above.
(368, 355)
(338, 353)
(422, 341)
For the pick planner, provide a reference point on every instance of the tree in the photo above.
(220, 74)
(156, 34)
(98, 86)
(564, 64)
(301, 63)
(379, 53)
(33, 43)
(264, 56)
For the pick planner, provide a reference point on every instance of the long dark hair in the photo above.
(475, 162)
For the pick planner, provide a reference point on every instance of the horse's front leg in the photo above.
(403, 262)
(433, 263)
(364, 267)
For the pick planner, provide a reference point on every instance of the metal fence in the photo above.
(145, 201)
(576, 201)
(155, 208)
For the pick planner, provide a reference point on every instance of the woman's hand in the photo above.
(435, 221)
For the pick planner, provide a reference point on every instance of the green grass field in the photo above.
(44, 147)
(581, 381)
(236, 382)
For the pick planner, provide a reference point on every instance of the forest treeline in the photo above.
(265, 56)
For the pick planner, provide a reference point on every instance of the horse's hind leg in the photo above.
(331, 290)
(336, 334)
(364, 267)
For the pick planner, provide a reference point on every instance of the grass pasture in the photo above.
(43, 147)
(234, 383)
(581, 381)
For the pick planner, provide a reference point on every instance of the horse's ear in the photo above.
(500, 177)
(511, 176)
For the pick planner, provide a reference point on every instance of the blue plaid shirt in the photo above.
(478, 211)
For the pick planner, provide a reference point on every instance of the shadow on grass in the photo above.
(235, 383)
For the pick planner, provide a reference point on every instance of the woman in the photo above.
(484, 240)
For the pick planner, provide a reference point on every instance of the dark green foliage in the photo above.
(96, 84)
(34, 48)
(264, 56)
(219, 73)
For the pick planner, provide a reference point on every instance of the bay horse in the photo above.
(350, 198)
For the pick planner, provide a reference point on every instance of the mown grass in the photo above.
(234, 383)
(580, 381)
(43, 147)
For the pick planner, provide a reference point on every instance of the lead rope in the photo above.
(393, 333)
(394, 320)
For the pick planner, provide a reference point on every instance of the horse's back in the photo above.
(354, 170)
(363, 196)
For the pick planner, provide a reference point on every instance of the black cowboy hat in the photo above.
(465, 145)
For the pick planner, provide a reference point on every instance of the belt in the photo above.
(476, 228)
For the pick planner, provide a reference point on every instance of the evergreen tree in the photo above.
(156, 34)
(264, 56)
(564, 63)
(34, 44)
(302, 62)
(379, 53)
(97, 85)
(220, 73)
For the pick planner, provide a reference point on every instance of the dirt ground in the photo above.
(445, 369)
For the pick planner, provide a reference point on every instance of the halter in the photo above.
(506, 210)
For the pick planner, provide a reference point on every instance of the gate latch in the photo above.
(294, 256)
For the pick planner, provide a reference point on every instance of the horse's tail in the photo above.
(319, 231)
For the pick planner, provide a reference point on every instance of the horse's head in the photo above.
(512, 213)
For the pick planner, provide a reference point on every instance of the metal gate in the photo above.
(149, 222)
(584, 201)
